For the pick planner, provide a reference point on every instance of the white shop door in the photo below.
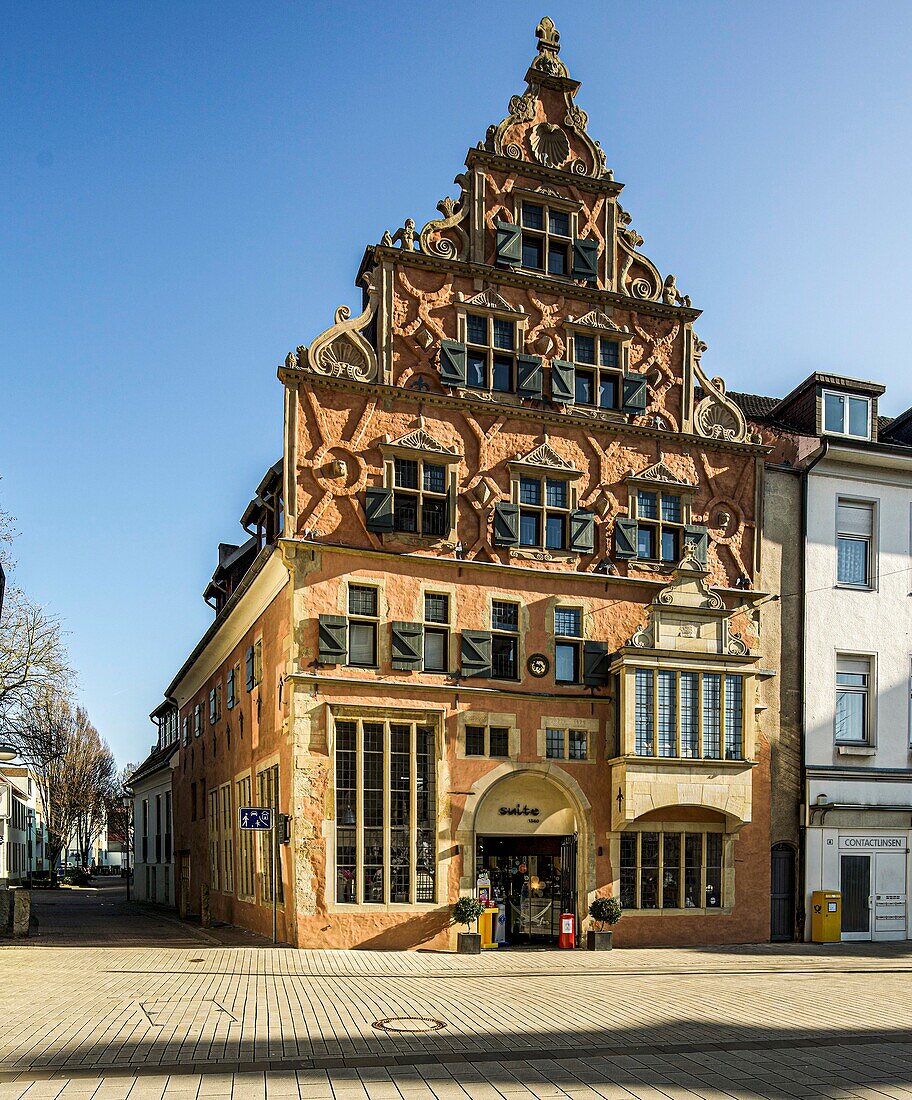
(890, 896)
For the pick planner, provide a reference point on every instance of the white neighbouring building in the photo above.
(854, 647)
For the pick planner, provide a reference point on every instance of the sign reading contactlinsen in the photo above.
(871, 842)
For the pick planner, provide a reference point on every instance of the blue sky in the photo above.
(186, 190)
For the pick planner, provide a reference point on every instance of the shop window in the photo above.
(566, 744)
(544, 512)
(420, 497)
(504, 640)
(363, 602)
(568, 629)
(853, 699)
(671, 870)
(688, 714)
(393, 764)
(491, 347)
(598, 370)
(436, 632)
(854, 537)
(846, 415)
(492, 741)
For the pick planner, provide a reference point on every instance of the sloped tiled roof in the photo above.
(156, 760)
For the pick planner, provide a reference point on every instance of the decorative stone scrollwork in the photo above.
(642, 639)
(545, 455)
(446, 236)
(717, 416)
(737, 646)
(341, 351)
(649, 285)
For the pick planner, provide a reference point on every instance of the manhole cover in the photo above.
(399, 1024)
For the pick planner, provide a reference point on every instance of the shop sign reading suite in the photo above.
(530, 812)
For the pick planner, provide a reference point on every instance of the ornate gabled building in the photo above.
(521, 526)
(498, 618)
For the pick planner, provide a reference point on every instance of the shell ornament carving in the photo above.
(341, 351)
(717, 416)
(550, 145)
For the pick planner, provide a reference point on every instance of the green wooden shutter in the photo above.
(699, 536)
(595, 663)
(212, 706)
(407, 645)
(506, 524)
(248, 662)
(563, 381)
(378, 508)
(475, 656)
(529, 376)
(230, 690)
(582, 531)
(333, 639)
(585, 260)
(625, 537)
(634, 393)
(509, 244)
(452, 363)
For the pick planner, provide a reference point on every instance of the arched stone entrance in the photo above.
(528, 826)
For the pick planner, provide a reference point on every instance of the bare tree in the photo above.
(97, 779)
(32, 659)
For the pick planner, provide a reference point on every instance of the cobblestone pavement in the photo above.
(185, 1016)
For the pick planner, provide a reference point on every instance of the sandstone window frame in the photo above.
(246, 862)
(599, 335)
(487, 720)
(559, 204)
(722, 883)
(423, 895)
(550, 469)
(436, 627)
(268, 795)
(492, 312)
(432, 457)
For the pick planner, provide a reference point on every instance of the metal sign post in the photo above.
(261, 819)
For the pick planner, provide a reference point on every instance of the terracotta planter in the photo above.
(468, 943)
(598, 941)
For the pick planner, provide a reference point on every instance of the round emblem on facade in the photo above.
(538, 664)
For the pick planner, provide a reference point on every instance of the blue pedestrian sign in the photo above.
(255, 817)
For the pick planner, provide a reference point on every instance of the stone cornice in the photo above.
(599, 186)
(387, 394)
(502, 276)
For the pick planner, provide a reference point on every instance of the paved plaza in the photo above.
(109, 1000)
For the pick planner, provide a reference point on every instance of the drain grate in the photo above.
(398, 1025)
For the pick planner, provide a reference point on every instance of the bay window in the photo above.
(688, 714)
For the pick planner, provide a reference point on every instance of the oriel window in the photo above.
(546, 239)
(544, 510)
(385, 856)
(688, 714)
(420, 498)
(599, 370)
(491, 348)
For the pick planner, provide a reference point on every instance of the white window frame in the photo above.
(870, 693)
(846, 397)
(870, 540)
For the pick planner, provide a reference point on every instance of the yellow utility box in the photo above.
(826, 916)
(487, 924)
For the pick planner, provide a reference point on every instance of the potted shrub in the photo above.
(467, 911)
(604, 911)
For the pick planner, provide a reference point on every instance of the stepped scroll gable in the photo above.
(496, 471)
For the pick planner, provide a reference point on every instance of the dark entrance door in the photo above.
(782, 893)
(534, 879)
(855, 882)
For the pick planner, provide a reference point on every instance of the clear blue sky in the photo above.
(186, 190)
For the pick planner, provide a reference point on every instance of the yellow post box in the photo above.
(487, 924)
(826, 916)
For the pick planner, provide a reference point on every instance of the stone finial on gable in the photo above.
(548, 48)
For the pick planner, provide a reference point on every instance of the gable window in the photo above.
(436, 631)
(546, 239)
(853, 699)
(688, 714)
(598, 370)
(492, 741)
(660, 523)
(362, 625)
(490, 353)
(568, 628)
(420, 499)
(844, 414)
(544, 510)
(504, 640)
(385, 812)
(854, 533)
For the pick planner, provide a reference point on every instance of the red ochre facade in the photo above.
(369, 391)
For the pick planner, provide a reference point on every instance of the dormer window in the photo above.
(845, 414)
(546, 239)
